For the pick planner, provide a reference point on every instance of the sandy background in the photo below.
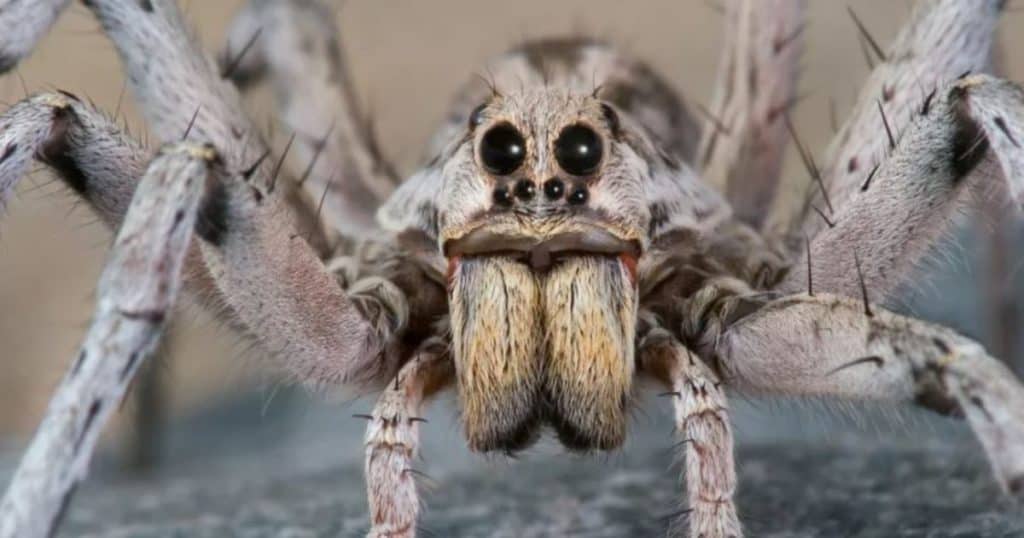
(407, 58)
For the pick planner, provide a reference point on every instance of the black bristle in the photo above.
(871, 175)
(191, 124)
(280, 164)
(231, 66)
(863, 286)
(927, 106)
(248, 172)
(885, 122)
(867, 35)
(1001, 124)
(809, 164)
(823, 216)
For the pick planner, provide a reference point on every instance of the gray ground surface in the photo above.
(787, 491)
(296, 472)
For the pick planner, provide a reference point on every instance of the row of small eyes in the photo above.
(578, 150)
(525, 190)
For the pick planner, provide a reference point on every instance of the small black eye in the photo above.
(578, 150)
(477, 116)
(502, 197)
(502, 149)
(554, 188)
(578, 196)
(525, 189)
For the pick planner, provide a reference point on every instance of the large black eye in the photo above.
(578, 150)
(502, 149)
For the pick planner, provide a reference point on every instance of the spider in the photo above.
(576, 230)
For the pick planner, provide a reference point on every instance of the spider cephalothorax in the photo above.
(574, 229)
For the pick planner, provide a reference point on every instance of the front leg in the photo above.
(702, 420)
(965, 141)
(136, 295)
(826, 345)
(270, 278)
(392, 441)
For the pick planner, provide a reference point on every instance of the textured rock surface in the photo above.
(798, 490)
(296, 472)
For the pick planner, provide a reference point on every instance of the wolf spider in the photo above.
(575, 229)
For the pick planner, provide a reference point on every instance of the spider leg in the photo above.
(266, 271)
(941, 41)
(136, 293)
(827, 345)
(970, 135)
(87, 151)
(702, 420)
(744, 136)
(392, 441)
(90, 155)
(296, 44)
(24, 24)
(176, 83)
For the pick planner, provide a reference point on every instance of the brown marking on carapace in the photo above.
(629, 261)
(453, 265)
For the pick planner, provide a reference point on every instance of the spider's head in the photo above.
(543, 175)
(542, 217)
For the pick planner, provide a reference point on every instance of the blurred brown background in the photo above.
(407, 58)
